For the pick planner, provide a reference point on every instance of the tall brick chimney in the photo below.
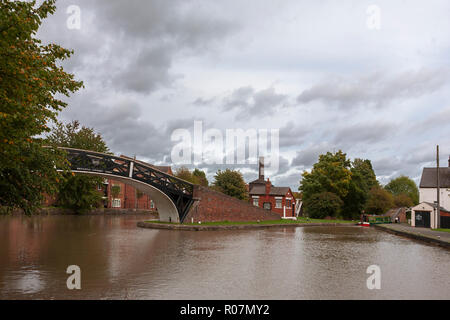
(261, 168)
(268, 185)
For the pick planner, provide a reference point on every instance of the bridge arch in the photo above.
(172, 196)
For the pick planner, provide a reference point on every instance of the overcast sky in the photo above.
(315, 70)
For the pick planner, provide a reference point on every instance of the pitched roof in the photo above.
(258, 181)
(258, 189)
(278, 191)
(434, 205)
(429, 178)
(274, 191)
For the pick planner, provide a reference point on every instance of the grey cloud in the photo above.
(376, 89)
(308, 156)
(147, 71)
(437, 120)
(409, 163)
(201, 102)
(294, 133)
(135, 43)
(124, 127)
(250, 102)
(363, 133)
(292, 180)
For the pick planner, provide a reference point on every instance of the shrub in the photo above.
(323, 204)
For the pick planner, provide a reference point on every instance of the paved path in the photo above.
(426, 234)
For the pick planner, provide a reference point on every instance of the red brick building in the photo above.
(122, 196)
(262, 193)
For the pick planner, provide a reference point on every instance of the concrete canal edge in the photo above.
(166, 226)
(414, 235)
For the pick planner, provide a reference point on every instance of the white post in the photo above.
(284, 211)
(131, 169)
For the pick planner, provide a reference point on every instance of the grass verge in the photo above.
(445, 230)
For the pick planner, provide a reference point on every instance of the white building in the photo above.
(424, 214)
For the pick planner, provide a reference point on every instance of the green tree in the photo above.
(404, 185)
(31, 79)
(196, 177)
(402, 200)
(362, 181)
(330, 174)
(379, 202)
(185, 174)
(365, 169)
(200, 177)
(324, 204)
(230, 182)
(71, 135)
(78, 192)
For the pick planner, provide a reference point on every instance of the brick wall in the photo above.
(216, 206)
(290, 211)
(402, 216)
(128, 197)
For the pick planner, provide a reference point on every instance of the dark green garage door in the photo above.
(423, 219)
(445, 222)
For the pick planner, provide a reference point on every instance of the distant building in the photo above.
(424, 214)
(129, 197)
(264, 194)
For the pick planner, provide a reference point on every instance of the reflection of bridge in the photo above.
(173, 196)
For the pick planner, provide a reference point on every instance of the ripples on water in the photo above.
(120, 261)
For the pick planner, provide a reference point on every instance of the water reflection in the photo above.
(120, 261)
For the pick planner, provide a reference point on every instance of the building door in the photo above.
(423, 219)
(445, 222)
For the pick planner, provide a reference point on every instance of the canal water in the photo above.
(120, 261)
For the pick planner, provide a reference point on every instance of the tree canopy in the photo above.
(349, 181)
(363, 179)
(31, 80)
(379, 201)
(200, 177)
(196, 177)
(330, 174)
(71, 135)
(78, 192)
(230, 182)
(404, 185)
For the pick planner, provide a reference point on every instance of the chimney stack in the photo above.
(449, 161)
(268, 186)
(261, 168)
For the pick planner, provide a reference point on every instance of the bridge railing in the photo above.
(91, 161)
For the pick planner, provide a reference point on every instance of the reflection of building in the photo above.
(424, 214)
(265, 195)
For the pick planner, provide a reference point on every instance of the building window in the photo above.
(152, 204)
(278, 203)
(288, 203)
(267, 205)
(116, 203)
(256, 202)
(99, 187)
